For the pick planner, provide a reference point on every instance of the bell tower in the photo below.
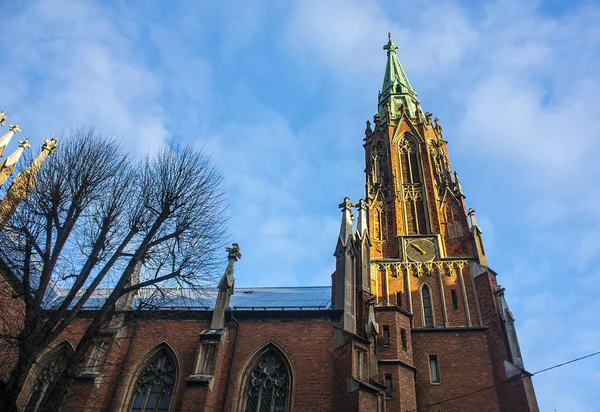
(417, 213)
(442, 317)
(411, 187)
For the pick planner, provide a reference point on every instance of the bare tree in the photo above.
(98, 219)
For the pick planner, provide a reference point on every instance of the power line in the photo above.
(505, 382)
(566, 363)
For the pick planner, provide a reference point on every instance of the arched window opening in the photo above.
(47, 378)
(453, 221)
(409, 159)
(154, 388)
(412, 187)
(427, 308)
(268, 385)
(378, 224)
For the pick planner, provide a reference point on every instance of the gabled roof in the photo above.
(244, 298)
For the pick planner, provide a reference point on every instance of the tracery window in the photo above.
(268, 385)
(453, 221)
(154, 388)
(46, 378)
(412, 187)
(427, 308)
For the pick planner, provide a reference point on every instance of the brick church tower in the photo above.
(413, 280)
(414, 319)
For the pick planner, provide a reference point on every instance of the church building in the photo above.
(414, 319)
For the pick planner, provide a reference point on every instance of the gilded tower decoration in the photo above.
(417, 216)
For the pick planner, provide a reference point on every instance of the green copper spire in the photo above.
(396, 89)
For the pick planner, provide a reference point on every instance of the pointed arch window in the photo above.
(45, 380)
(455, 229)
(268, 384)
(427, 307)
(154, 388)
(412, 186)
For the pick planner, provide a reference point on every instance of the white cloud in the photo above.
(519, 87)
(72, 64)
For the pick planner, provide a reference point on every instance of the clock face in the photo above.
(420, 250)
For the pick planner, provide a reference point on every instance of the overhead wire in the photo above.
(503, 383)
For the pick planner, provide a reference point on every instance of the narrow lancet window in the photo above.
(427, 308)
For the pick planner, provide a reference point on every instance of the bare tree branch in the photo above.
(98, 220)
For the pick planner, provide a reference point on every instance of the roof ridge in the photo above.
(281, 287)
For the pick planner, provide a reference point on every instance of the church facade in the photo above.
(414, 319)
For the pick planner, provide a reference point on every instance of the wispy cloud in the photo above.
(68, 63)
(279, 94)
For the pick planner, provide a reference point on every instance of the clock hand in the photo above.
(418, 248)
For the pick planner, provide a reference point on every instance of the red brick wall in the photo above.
(464, 366)
(307, 343)
(309, 346)
(518, 394)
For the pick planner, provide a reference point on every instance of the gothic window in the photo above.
(46, 378)
(403, 339)
(154, 388)
(399, 299)
(454, 299)
(378, 224)
(434, 369)
(427, 307)
(412, 187)
(386, 336)
(388, 386)
(453, 221)
(409, 157)
(267, 387)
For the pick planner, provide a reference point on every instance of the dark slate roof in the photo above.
(250, 298)
(300, 297)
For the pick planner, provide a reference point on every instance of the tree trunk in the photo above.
(60, 389)
(11, 391)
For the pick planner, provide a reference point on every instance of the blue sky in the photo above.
(279, 92)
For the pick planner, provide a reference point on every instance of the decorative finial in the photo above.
(24, 144)
(458, 183)
(346, 204)
(377, 120)
(388, 111)
(428, 118)
(418, 113)
(50, 145)
(368, 130)
(14, 128)
(471, 213)
(362, 227)
(234, 252)
(390, 46)
(438, 127)
(3, 118)
(347, 219)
